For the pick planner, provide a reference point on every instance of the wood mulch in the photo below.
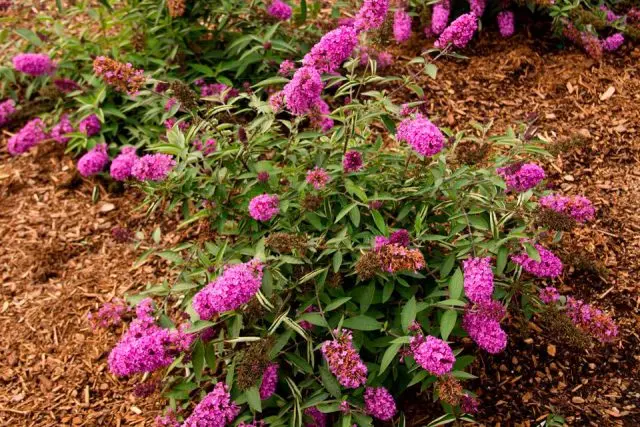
(59, 260)
(590, 113)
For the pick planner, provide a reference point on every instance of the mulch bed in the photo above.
(58, 258)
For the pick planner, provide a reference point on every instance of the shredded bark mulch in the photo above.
(59, 260)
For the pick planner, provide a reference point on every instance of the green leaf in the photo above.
(456, 284)
(337, 303)
(447, 323)
(532, 252)
(377, 218)
(447, 265)
(388, 123)
(345, 211)
(253, 398)
(197, 359)
(29, 36)
(337, 261)
(408, 314)
(362, 323)
(388, 357)
(501, 262)
(354, 214)
(329, 381)
(431, 70)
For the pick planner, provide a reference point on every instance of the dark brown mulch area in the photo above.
(590, 113)
(58, 261)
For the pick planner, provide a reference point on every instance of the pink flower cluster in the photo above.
(236, 285)
(332, 50)
(478, 279)
(122, 165)
(109, 314)
(613, 42)
(482, 323)
(7, 108)
(459, 33)
(286, 67)
(303, 91)
(264, 207)
(215, 410)
(319, 418)
(401, 26)
(145, 346)
(578, 207)
(66, 85)
(279, 10)
(167, 420)
(521, 176)
(93, 161)
(208, 147)
(591, 320)
(548, 266)
(506, 23)
(477, 7)
(61, 129)
(269, 381)
(344, 361)
(34, 64)
(319, 116)
(399, 237)
(371, 15)
(90, 125)
(213, 89)
(423, 136)
(432, 354)
(440, 16)
(379, 403)
(152, 167)
(317, 177)
(469, 404)
(32, 134)
(549, 295)
(352, 161)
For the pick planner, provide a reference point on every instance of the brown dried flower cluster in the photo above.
(121, 76)
(176, 7)
(311, 203)
(187, 97)
(389, 258)
(285, 243)
(252, 362)
(563, 329)
(555, 220)
(449, 390)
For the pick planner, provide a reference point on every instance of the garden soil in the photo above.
(59, 259)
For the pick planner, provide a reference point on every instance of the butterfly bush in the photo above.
(279, 10)
(506, 23)
(521, 176)
(331, 266)
(152, 167)
(122, 166)
(379, 403)
(7, 108)
(440, 16)
(94, 161)
(61, 129)
(548, 266)
(32, 134)
(264, 207)
(90, 125)
(215, 410)
(401, 26)
(233, 288)
(34, 64)
(459, 33)
(344, 361)
(432, 354)
(423, 136)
